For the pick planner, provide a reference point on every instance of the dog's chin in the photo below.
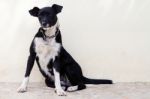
(46, 28)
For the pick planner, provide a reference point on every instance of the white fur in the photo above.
(72, 88)
(47, 49)
(58, 87)
(23, 87)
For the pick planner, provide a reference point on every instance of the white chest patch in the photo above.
(46, 50)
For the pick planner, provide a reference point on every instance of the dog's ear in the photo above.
(34, 12)
(57, 8)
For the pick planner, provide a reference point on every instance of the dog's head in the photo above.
(47, 16)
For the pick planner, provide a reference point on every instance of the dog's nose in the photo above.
(44, 23)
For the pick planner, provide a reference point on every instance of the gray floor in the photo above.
(115, 91)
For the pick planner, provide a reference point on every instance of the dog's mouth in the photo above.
(46, 27)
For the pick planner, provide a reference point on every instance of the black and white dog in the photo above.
(58, 67)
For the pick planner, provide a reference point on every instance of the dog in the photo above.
(58, 67)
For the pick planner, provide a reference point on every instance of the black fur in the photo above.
(64, 63)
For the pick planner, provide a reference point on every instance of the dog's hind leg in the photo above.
(75, 78)
(77, 83)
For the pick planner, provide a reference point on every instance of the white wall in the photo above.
(109, 38)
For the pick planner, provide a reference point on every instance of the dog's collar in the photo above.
(49, 37)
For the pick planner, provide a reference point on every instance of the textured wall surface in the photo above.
(109, 38)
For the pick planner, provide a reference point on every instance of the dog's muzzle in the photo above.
(45, 25)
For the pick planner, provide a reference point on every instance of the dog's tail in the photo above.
(96, 81)
(89, 81)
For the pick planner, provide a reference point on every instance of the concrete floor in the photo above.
(115, 91)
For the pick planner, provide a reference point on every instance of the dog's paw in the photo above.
(22, 89)
(60, 92)
(72, 88)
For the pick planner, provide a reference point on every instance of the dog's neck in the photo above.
(52, 30)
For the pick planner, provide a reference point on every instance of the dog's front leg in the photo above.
(58, 87)
(30, 63)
